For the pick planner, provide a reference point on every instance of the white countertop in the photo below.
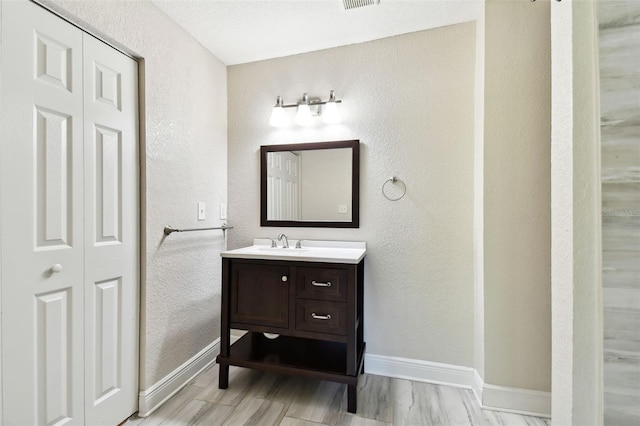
(311, 251)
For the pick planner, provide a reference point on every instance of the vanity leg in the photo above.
(352, 398)
(225, 330)
(223, 376)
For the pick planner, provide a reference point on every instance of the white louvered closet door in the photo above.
(69, 211)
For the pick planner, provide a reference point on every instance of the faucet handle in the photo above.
(298, 245)
(273, 243)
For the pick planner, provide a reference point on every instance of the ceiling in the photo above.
(241, 31)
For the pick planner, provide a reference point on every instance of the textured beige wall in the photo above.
(517, 235)
(410, 101)
(184, 161)
(576, 223)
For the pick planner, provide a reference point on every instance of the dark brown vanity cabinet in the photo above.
(315, 308)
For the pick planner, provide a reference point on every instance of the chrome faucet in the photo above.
(285, 244)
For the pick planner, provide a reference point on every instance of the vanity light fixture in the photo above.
(306, 109)
(278, 118)
(330, 113)
(303, 115)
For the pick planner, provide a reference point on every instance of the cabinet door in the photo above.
(260, 294)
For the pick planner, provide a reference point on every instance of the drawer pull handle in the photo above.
(320, 317)
(319, 284)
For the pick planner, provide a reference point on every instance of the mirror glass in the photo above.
(311, 184)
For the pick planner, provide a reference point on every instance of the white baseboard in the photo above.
(516, 400)
(491, 397)
(420, 371)
(150, 399)
(477, 386)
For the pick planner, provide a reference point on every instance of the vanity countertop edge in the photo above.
(351, 252)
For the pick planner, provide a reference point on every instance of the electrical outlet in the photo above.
(223, 211)
(342, 208)
(201, 211)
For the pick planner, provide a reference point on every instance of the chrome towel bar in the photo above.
(168, 230)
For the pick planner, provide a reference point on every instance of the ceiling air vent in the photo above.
(352, 4)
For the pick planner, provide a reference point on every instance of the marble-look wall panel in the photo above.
(619, 55)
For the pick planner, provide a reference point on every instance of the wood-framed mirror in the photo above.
(310, 184)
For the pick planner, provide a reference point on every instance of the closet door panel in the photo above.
(111, 233)
(42, 218)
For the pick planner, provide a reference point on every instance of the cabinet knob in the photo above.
(56, 268)
(284, 278)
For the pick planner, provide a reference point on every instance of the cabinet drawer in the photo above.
(321, 316)
(322, 283)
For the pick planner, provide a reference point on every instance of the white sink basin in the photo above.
(311, 251)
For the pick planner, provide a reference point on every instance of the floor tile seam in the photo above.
(283, 412)
(308, 421)
(193, 385)
(262, 400)
(219, 402)
(228, 414)
(216, 403)
(203, 411)
(375, 418)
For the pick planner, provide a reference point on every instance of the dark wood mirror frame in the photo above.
(355, 184)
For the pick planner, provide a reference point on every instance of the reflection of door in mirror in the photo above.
(283, 186)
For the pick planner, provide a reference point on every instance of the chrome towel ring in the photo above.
(393, 180)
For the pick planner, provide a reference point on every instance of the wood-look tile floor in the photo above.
(263, 399)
